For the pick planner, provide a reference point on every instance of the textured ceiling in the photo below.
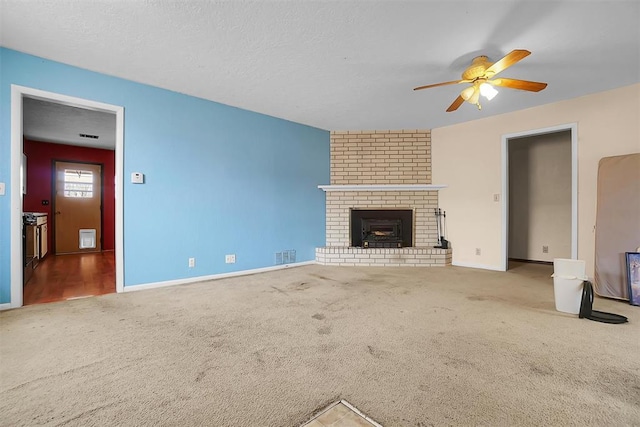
(57, 123)
(337, 64)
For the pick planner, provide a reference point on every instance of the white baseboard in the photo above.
(155, 285)
(5, 306)
(473, 265)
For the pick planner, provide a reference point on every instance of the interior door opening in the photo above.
(111, 263)
(540, 195)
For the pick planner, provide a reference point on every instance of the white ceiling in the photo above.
(62, 124)
(337, 64)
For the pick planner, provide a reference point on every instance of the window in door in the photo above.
(78, 183)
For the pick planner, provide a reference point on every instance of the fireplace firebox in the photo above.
(381, 233)
(384, 228)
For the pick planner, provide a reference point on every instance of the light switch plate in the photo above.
(137, 178)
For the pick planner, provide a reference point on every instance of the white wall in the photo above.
(540, 196)
(467, 158)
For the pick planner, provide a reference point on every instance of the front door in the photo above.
(78, 210)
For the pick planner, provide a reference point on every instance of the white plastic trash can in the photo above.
(568, 275)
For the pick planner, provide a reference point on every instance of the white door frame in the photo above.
(573, 127)
(17, 95)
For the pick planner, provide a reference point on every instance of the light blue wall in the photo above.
(218, 180)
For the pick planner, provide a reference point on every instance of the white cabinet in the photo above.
(41, 242)
(44, 246)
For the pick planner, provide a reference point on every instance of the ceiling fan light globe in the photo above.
(474, 98)
(467, 93)
(488, 91)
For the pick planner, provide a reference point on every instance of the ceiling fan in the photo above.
(480, 74)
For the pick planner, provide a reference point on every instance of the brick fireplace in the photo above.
(381, 171)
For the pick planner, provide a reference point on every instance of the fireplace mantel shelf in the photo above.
(391, 187)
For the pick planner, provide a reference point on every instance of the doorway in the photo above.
(539, 195)
(18, 95)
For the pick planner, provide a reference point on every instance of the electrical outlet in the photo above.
(192, 262)
(478, 251)
(230, 259)
(545, 249)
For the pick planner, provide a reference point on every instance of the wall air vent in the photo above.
(86, 135)
(286, 257)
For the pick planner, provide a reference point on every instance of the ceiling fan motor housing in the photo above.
(477, 68)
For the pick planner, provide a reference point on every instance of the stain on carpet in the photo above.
(458, 363)
(200, 376)
(318, 316)
(258, 356)
(328, 348)
(539, 369)
(325, 330)
(620, 384)
(74, 370)
(302, 286)
(88, 413)
(279, 290)
(374, 352)
(321, 277)
(217, 344)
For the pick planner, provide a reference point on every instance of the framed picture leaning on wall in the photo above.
(633, 277)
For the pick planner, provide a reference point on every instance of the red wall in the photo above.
(39, 164)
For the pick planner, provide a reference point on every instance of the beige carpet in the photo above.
(408, 347)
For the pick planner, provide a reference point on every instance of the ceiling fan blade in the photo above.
(518, 84)
(456, 104)
(441, 84)
(507, 61)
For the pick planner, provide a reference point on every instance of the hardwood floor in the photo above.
(60, 277)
